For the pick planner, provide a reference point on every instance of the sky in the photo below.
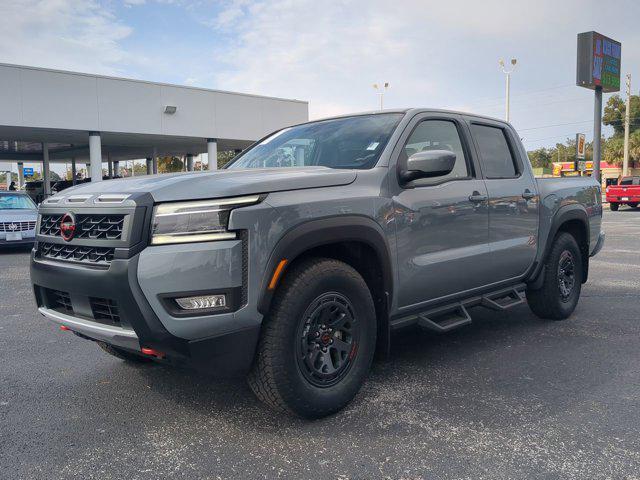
(432, 53)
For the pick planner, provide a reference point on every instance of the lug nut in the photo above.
(324, 349)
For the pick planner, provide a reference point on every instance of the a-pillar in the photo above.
(46, 173)
(212, 153)
(149, 166)
(20, 174)
(95, 156)
(189, 162)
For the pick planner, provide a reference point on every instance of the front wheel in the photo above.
(614, 207)
(318, 342)
(560, 292)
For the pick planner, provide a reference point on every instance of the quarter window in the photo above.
(437, 135)
(497, 161)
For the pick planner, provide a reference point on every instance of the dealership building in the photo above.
(49, 116)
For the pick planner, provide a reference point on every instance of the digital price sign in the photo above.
(599, 61)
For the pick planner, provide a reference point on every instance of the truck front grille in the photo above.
(17, 226)
(99, 256)
(90, 226)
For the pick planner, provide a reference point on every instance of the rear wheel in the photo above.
(560, 292)
(614, 207)
(318, 343)
(633, 205)
(123, 354)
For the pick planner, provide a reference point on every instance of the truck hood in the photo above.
(220, 183)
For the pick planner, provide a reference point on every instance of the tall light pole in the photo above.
(507, 72)
(381, 89)
(625, 161)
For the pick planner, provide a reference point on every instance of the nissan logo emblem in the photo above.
(68, 226)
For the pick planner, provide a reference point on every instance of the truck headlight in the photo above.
(197, 221)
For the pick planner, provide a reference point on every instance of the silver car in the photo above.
(18, 215)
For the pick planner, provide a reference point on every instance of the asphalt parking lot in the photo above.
(510, 396)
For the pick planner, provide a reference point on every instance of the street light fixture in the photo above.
(380, 89)
(507, 71)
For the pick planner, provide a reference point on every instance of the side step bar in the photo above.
(453, 315)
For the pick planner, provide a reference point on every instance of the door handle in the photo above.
(528, 194)
(476, 197)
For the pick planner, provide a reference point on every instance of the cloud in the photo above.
(76, 35)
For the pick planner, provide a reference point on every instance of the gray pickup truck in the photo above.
(294, 264)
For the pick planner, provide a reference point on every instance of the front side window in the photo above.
(16, 202)
(437, 135)
(351, 142)
(495, 154)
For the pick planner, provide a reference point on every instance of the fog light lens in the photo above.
(204, 301)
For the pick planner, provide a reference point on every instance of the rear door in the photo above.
(513, 199)
(441, 222)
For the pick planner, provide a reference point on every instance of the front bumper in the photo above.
(224, 353)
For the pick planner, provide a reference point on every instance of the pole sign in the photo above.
(598, 64)
(581, 146)
(27, 171)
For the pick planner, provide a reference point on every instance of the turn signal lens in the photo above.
(204, 301)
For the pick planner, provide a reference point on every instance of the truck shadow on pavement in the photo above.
(505, 364)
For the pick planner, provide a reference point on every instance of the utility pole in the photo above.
(627, 113)
(508, 74)
(381, 89)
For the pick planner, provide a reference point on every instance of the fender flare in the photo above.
(564, 214)
(325, 231)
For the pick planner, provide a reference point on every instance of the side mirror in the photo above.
(427, 164)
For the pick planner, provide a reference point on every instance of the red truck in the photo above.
(626, 192)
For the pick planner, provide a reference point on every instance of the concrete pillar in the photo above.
(110, 167)
(116, 168)
(74, 171)
(95, 156)
(212, 153)
(189, 162)
(149, 166)
(46, 173)
(20, 174)
(155, 160)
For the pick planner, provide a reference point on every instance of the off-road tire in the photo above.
(548, 302)
(123, 354)
(614, 206)
(277, 376)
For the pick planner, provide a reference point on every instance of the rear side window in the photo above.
(497, 161)
(627, 181)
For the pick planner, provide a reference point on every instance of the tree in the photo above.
(540, 158)
(224, 157)
(170, 164)
(614, 113)
(613, 151)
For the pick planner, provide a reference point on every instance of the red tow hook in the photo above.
(151, 352)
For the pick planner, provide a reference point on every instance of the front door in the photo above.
(442, 222)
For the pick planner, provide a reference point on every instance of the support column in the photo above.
(74, 171)
(155, 160)
(116, 168)
(212, 153)
(95, 156)
(149, 166)
(109, 166)
(189, 162)
(20, 174)
(46, 173)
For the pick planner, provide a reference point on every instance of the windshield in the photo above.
(351, 142)
(16, 202)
